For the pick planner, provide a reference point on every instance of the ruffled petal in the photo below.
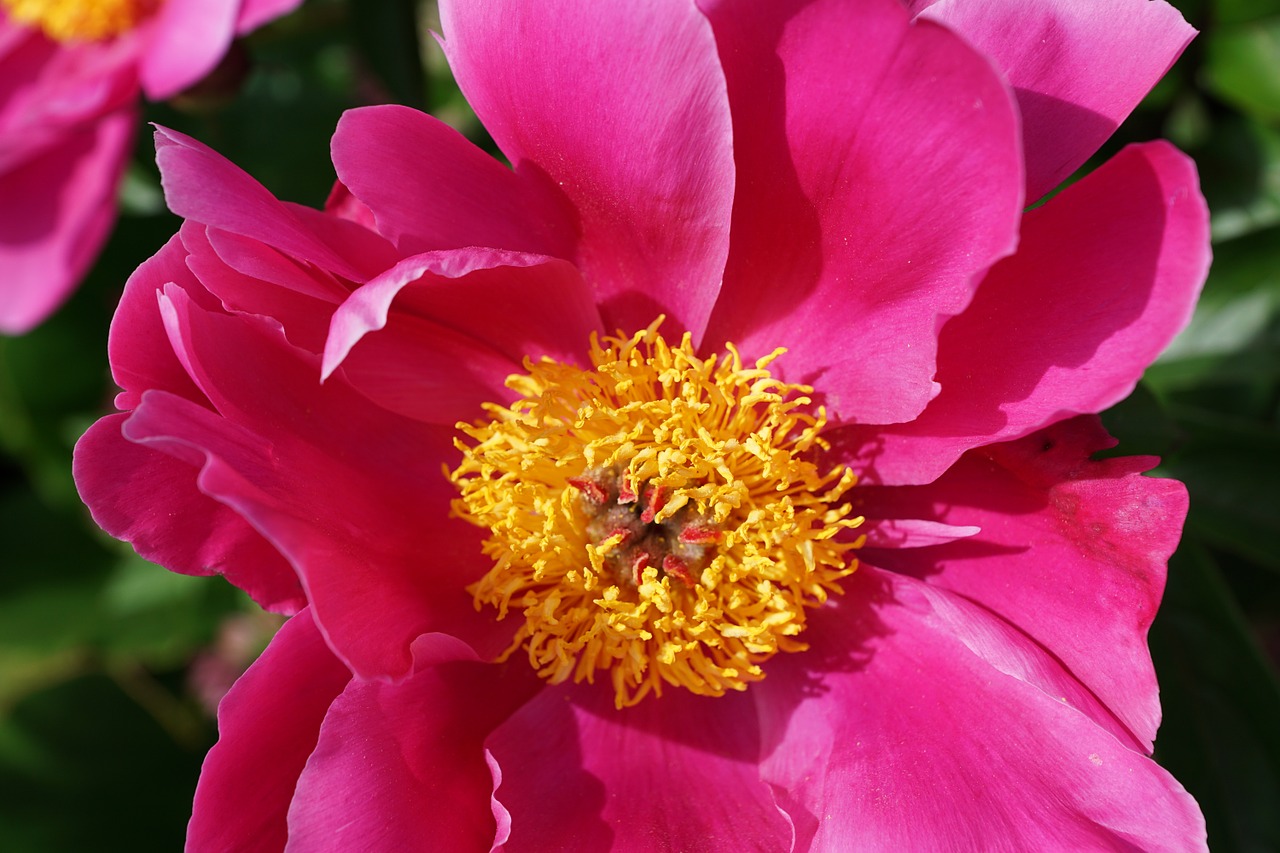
(1078, 67)
(141, 355)
(202, 185)
(429, 188)
(669, 774)
(870, 197)
(352, 496)
(56, 210)
(622, 108)
(1064, 542)
(268, 725)
(150, 500)
(415, 752)
(918, 722)
(1107, 273)
(446, 349)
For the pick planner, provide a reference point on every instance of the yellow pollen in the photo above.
(657, 517)
(81, 20)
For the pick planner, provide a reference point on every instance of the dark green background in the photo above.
(101, 736)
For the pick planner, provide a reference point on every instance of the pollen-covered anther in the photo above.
(658, 516)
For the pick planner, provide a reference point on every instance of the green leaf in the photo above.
(84, 767)
(1221, 706)
(1231, 466)
(1242, 66)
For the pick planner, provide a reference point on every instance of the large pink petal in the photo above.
(187, 39)
(1065, 542)
(1107, 273)
(56, 210)
(879, 174)
(1078, 67)
(202, 185)
(353, 496)
(671, 774)
(463, 321)
(429, 188)
(622, 107)
(150, 500)
(268, 724)
(917, 722)
(402, 766)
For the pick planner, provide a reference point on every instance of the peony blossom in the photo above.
(72, 70)
(720, 476)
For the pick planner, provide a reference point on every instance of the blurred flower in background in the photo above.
(102, 731)
(730, 657)
(71, 71)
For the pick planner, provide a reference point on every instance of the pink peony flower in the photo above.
(564, 587)
(71, 72)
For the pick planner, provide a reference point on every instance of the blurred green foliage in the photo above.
(101, 730)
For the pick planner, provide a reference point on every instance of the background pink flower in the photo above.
(68, 109)
(827, 177)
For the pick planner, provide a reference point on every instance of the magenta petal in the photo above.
(268, 724)
(56, 210)
(141, 355)
(402, 766)
(353, 496)
(462, 322)
(189, 38)
(1107, 273)
(150, 500)
(202, 185)
(672, 773)
(622, 107)
(393, 159)
(870, 197)
(1078, 67)
(930, 726)
(1064, 542)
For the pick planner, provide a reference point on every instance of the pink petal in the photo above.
(189, 38)
(879, 175)
(1066, 542)
(268, 724)
(138, 348)
(402, 766)
(675, 773)
(202, 185)
(249, 277)
(622, 108)
(352, 496)
(1107, 273)
(1078, 67)
(463, 322)
(255, 13)
(928, 725)
(912, 532)
(56, 211)
(429, 188)
(150, 500)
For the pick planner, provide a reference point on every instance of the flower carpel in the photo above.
(656, 516)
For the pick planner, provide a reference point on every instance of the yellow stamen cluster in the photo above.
(81, 20)
(724, 445)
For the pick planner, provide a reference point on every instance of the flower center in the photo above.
(81, 20)
(656, 516)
